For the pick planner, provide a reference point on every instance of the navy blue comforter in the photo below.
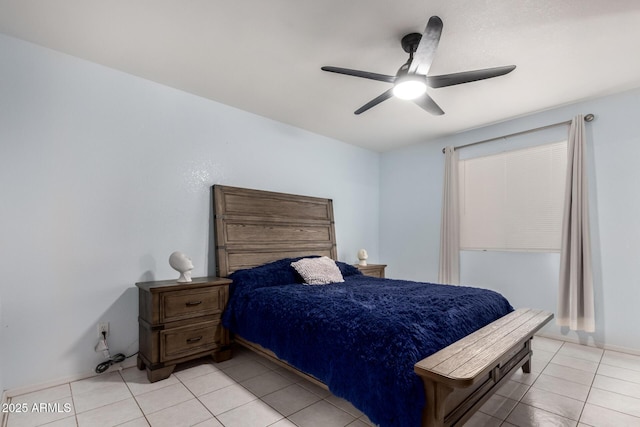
(361, 337)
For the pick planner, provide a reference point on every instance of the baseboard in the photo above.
(3, 417)
(576, 340)
(8, 394)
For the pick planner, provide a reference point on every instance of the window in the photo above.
(513, 201)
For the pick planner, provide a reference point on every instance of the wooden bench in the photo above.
(461, 377)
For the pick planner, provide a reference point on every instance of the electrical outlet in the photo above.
(103, 327)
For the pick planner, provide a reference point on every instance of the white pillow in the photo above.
(318, 271)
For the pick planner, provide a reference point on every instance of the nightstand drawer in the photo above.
(188, 340)
(373, 270)
(186, 304)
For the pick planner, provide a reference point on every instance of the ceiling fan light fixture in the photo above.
(409, 87)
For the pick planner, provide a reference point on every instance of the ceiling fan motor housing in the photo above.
(410, 42)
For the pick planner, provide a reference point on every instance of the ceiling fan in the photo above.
(411, 80)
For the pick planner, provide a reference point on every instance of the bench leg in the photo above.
(436, 394)
(526, 368)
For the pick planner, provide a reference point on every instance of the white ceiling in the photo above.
(265, 56)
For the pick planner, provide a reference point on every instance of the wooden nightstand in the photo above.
(179, 322)
(374, 270)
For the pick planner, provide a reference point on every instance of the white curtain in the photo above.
(449, 271)
(575, 297)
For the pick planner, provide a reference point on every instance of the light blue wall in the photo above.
(2, 345)
(104, 175)
(411, 192)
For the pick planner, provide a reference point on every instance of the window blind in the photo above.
(513, 200)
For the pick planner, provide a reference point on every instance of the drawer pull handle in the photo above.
(192, 340)
(192, 303)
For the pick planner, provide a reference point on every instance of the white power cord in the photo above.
(104, 348)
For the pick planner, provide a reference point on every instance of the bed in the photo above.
(405, 353)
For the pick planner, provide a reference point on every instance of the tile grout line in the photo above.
(321, 398)
(614, 392)
(298, 383)
(586, 399)
(534, 381)
(75, 410)
(134, 398)
(241, 385)
(529, 386)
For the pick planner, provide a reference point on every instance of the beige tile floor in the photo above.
(570, 385)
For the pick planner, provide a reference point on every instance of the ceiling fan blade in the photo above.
(363, 74)
(426, 50)
(428, 104)
(468, 76)
(375, 101)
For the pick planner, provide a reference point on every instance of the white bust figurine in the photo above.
(362, 256)
(181, 263)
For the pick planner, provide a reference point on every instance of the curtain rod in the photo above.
(587, 118)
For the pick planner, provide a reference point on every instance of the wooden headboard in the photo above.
(254, 227)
